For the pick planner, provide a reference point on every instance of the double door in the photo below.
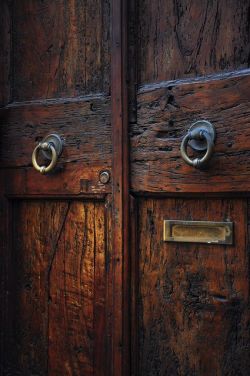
(124, 155)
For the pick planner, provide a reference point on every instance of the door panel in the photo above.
(166, 112)
(191, 64)
(55, 243)
(189, 38)
(57, 285)
(193, 298)
(190, 301)
(60, 49)
(84, 124)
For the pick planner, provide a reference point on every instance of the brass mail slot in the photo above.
(198, 232)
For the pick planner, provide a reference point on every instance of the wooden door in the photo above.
(57, 236)
(87, 285)
(190, 300)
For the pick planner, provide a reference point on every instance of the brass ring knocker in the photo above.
(200, 137)
(51, 148)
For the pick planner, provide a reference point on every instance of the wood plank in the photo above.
(5, 280)
(56, 300)
(193, 298)
(100, 351)
(164, 117)
(71, 285)
(60, 48)
(5, 40)
(120, 362)
(186, 38)
(84, 124)
(36, 225)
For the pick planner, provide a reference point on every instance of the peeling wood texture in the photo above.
(57, 289)
(164, 117)
(61, 48)
(193, 298)
(186, 38)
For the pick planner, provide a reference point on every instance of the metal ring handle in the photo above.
(46, 146)
(197, 134)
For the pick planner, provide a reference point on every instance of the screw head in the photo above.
(104, 177)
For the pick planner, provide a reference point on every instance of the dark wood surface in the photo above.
(60, 49)
(83, 123)
(56, 278)
(57, 288)
(193, 298)
(189, 61)
(120, 190)
(87, 283)
(5, 40)
(188, 38)
(164, 115)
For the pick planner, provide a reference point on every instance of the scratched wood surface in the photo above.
(164, 115)
(57, 298)
(186, 38)
(190, 302)
(57, 81)
(5, 26)
(55, 78)
(60, 48)
(85, 127)
(193, 298)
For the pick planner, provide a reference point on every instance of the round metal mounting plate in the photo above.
(57, 142)
(201, 145)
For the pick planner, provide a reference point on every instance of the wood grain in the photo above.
(186, 38)
(120, 357)
(57, 253)
(164, 117)
(84, 124)
(193, 298)
(5, 47)
(60, 48)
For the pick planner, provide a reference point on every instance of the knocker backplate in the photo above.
(201, 145)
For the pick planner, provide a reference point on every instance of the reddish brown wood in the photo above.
(193, 298)
(101, 348)
(134, 280)
(85, 126)
(5, 71)
(54, 248)
(73, 306)
(186, 38)
(165, 113)
(192, 63)
(61, 49)
(58, 289)
(5, 220)
(109, 281)
(36, 226)
(120, 210)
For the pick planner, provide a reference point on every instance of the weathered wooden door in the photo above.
(57, 278)
(86, 287)
(190, 300)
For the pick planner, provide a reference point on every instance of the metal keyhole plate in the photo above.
(201, 145)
